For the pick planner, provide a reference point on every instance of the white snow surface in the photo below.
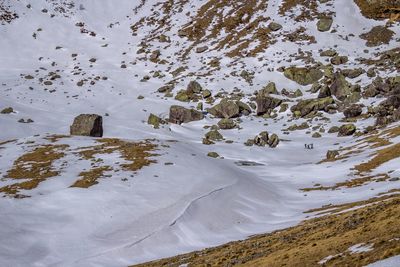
(163, 210)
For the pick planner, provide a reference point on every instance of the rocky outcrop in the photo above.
(266, 103)
(352, 111)
(225, 109)
(347, 129)
(226, 124)
(305, 107)
(303, 76)
(87, 125)
(179, 114)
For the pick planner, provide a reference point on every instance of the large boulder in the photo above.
(194, 88)
(305, 107)
(340, 87)
(87, 125)
(352, 111)
(265, 103)
(179, 114)
(347, 129)
(303, 76)
(225, 109)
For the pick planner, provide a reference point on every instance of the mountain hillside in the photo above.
(202, 122)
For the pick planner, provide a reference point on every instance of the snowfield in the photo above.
(185, 201)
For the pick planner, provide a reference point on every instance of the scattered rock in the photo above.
(273, 26)
(179, 114)
(324, 24)
(305, 107)
(352, 111)
(347, 129)
(87, 125)
(201, 49)
(225, 109)
(226, 124)
(303, 76)
(332, 154)
(261, 139)
(155, 121)
(213, 154)
(338, 60)
(316, 135)
(328, 53)
(194, 88)
(7, 110)
(273, 141)
(266, 103)
(214, 135)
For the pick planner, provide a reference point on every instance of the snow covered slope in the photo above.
(59, 59)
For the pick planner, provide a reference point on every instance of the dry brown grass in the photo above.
(33, 167)
(380, 9)
(380, 157)
(89, 178)
(311, 241)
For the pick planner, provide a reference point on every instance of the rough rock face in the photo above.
(87, 125)
(352, 111)
(179, 114)
(303, 76)
(324, 24)
(226, 124)
(261, 139)
(194, 88)
(305, 107)
(265, 103)
(347, 129)
(225, 109)
(340, 87)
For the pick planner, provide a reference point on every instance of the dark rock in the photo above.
(226, 124)
(7, 110)
(179, 114)
(338, 60)
(261, 139)
(305, 107)
(225, 109)
(324, 24)
(332, 154)
(194, 88)
(303, 76)
(273, 26)
(214, 135)
(347, 129)
(352, 111)
(87, 125)
(266, 103)
(273, 141)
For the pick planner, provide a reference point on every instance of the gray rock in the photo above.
(273, 141)
(225, 109)
(303, 76)
(226, 124)
(352, 111)
(266, 103)
(273, 26)
(179, 114)
(347, 129)
(87, 125)
(261, 139)
(324, 24)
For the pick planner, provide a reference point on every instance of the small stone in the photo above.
(324, 24)
(274, 26)
(213, 154)
(273, 141)
(316, 135)
(332, 154)
(179, 114)
(7, 110)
